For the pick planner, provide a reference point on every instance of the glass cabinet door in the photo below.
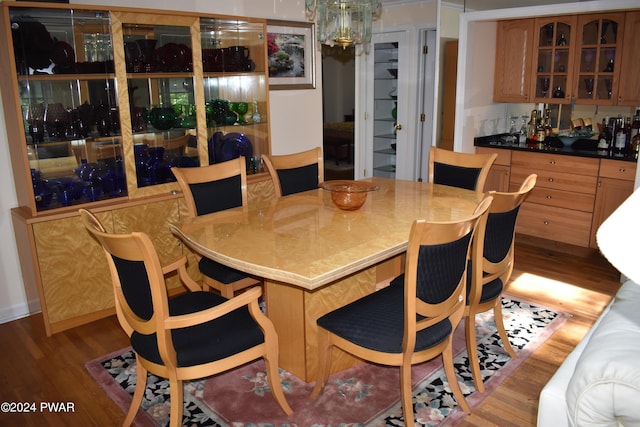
(553, 59)
(66, 84)
(235, 90)
(161, 120)
(598, 57)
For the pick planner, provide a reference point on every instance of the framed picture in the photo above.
(291, 51)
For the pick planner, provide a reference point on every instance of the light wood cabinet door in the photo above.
(553, 55)
(598, 58)
(514, 48)
(74, 279)
(498, 178)
(629, 87)
(615, 184)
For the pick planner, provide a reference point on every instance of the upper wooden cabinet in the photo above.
(553, 53)
(629, 87)
(104, 101)
(599, 56)
(512, 77)
(587, 59)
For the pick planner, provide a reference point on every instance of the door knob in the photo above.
(398, 127)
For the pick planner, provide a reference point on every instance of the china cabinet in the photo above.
(553, 59)
(514, 49)
(105, 101)
(599, 54)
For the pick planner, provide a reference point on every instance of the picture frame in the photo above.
(291, 55)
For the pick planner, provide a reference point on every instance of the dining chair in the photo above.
(490, 269)
(209, 189)
(412, 320)
(463, 170)
(190, 336)
(294, 173)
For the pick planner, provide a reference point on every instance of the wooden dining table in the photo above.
(315, 257)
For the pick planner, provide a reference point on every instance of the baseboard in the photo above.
(18, 311)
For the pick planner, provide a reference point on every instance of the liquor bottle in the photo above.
(547, 122)
(620, 145)
(533, 123)
(634, 129)
(604, 138)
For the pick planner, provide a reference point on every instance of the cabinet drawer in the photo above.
(504, 156)
(617, 169)
(559, 198)
(557, 180)
(555, 162)
(553, 223)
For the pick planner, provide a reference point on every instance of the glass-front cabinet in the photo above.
(553, 59)
(110, 100)
(598, 58)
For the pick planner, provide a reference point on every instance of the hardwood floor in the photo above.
(36, 368)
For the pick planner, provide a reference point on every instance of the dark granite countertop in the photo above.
(552, 145)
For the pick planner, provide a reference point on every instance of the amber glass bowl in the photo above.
(348, 195)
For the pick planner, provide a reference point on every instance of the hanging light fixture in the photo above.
(343, 22)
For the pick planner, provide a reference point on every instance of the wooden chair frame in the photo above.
(484, 271)
(422, 233)
(215, 172)
(465, 160)
(137, 246)
(290, 161)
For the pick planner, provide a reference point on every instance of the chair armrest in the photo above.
(245, 298)
(180, 264)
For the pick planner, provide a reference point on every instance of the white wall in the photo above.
(296, 124)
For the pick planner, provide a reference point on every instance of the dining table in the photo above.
(315, 257)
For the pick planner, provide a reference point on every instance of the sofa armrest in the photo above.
(605, 387)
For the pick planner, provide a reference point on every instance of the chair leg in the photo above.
(447, 361)
(176, 394)
(273, 376)
(472, 350)
(138, 394)
(498, 318)
(406, 394)
(324, 362)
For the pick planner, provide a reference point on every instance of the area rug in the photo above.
(365, 395)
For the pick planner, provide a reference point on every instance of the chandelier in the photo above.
(343, 22)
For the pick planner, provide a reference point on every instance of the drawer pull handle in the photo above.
(553, 162)
(549, 196)
(546, 222)
(550, 179)
(621, 170)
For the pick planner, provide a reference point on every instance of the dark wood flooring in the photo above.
(36, 368)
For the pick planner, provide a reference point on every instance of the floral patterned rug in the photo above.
(366, 395)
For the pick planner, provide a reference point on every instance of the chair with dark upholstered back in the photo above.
(491, 268)
(412, 320)
(190, 336)
(463, 170)
(294, 173)
(211, 189)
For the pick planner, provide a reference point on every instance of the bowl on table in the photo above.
(348, 195)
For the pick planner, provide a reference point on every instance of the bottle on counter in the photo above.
(522, 138)
(634, 129)
(603, 142)
(547, 122)
(620, 145)
(533, 125)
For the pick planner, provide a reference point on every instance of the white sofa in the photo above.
(598, 384)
